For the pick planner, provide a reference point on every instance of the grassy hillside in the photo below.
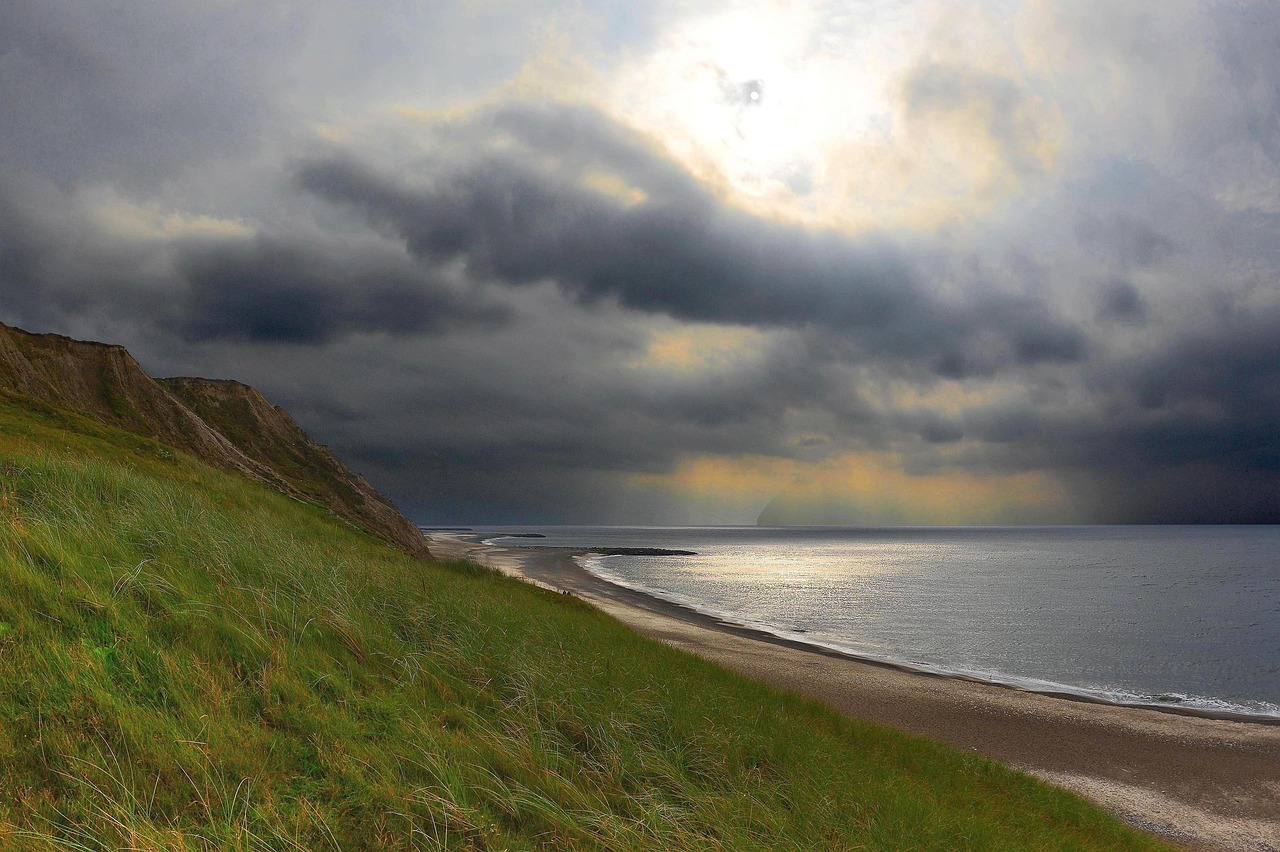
(298, 465)
(190, 660)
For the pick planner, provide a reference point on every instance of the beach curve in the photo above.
(1199, 781)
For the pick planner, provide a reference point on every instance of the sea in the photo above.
(1179, 617)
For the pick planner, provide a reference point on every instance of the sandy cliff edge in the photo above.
(223, 423)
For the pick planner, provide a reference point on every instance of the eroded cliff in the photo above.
(224, 423)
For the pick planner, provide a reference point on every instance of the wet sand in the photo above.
(1203, 783)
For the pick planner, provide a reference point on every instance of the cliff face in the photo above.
(299, 466)
(226, 424)
(105, 383)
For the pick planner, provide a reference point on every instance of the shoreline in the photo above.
(717, 621)
(1196, 780)
(762, 633)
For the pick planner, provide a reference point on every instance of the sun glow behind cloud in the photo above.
(699, 348)
(749, 97)
(882, 114)
(863, 488)
(123, 219)
(889, 113)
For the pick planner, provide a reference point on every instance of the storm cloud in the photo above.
(558, 264)
(677, 252)
(297, 293)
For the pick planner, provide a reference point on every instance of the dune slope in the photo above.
(191, 660)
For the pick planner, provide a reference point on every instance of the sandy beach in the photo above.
(1202, 783)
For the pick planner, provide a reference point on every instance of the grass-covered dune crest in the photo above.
(191, 660)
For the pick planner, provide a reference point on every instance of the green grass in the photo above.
(188, 660)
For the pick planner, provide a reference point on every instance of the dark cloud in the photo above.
(57, 266)
(268, 290)
(1120, 301)
(1189, 433)
(936, 429)
(1214, 395)
(24, 251)
(678, 253)
(1207, 452)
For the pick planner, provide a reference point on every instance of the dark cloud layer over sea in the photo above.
(506, 305)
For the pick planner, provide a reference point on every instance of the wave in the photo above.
(1174, 702)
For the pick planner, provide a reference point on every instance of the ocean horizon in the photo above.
(1179, 617)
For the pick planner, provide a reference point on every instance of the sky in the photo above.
(613, 262)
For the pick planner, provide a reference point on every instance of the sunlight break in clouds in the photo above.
(856, 488)
(843, 115)
(694, 348)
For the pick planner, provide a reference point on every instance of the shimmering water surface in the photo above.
(1184, 616)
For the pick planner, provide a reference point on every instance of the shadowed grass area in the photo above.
(188, 660)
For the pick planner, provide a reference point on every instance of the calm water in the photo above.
(1171, 615)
